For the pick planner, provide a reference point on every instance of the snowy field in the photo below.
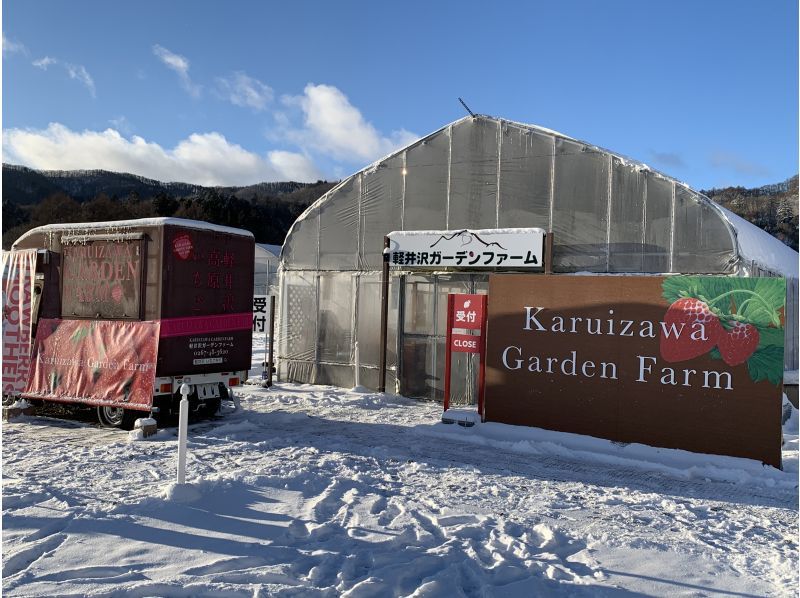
(316, 491)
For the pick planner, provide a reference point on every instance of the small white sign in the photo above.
(260, 313)
(206, 361)
(511, 248)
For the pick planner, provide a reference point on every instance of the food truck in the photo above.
(119, 315)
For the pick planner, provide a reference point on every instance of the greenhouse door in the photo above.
(423, 313)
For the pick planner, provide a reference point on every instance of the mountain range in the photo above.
(26, 186)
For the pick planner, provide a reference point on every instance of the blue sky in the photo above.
(244, 91)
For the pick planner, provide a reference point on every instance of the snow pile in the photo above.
(791, 434)
(316, 491)
(586, 449)
(757, 245)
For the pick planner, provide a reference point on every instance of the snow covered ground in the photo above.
(316, 491)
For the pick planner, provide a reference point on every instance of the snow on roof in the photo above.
(138, 223)
(761, 247)
(275, 250)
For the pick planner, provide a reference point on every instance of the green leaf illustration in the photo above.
(755, 301)
(762, 307)
(771, 337)
(767, 364)
(79, 335)
(55, 381)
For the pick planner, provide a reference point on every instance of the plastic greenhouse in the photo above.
(609, 214)
(265, 273)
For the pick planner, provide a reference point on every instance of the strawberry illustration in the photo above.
(737, 345)
(681, 337)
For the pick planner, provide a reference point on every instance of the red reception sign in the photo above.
(466, 312)
(107, 362)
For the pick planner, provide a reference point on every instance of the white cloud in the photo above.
(79, 73)
(296, 167)
(205, 159)
(179, 64)
(45, 62)
(75, 71)
(122, 125)
(12, 47)
(245, 91)
(334, 126)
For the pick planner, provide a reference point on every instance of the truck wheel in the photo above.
(211, 407)
(116, 417)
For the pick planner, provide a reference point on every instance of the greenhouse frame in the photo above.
(608, 215)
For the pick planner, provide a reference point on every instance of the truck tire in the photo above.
(117, 417)
(210, 407)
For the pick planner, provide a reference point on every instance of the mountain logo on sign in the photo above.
(466, 237)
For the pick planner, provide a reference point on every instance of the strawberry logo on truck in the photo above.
(738, 320)
(182, 246)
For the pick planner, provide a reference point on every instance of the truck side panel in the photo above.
(206, 308)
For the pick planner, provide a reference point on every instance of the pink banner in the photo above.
(103, 362)
(19, 272)
(206, 324)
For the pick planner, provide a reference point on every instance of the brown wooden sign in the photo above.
(689, 362)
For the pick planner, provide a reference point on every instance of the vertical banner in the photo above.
(19, 273)
(103, 362)
(262, 319)
(466, 312)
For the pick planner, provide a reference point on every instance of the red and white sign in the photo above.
(466, 312)
(465, 343)
(19, 272)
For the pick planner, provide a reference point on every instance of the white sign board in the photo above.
(260, 313)
(506, 248)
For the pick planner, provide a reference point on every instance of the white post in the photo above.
(183, 424)
(358, 368)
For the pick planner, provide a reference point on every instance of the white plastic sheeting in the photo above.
(265, 273)
(608, 214)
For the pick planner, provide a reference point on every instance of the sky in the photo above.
(234, 93)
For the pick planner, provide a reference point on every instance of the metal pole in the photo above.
(548, 253)
(482, 360)
(183, 424)
(447, 354)
(271, 338)
(384, 316)
(357, 377)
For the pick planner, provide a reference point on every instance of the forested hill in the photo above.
(771, 207)
(34, 197)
